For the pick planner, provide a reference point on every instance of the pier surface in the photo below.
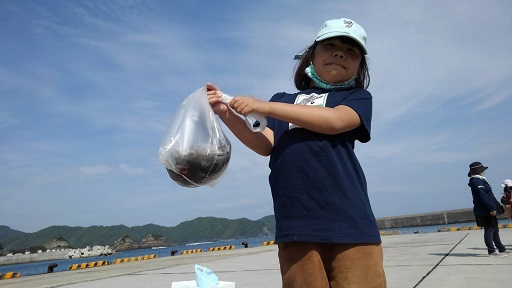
(443, 259)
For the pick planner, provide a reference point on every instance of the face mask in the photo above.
(310, 71)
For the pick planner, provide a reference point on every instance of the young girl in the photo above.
(325, 228)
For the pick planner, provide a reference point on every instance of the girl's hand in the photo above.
(247, 105)
(215, 99)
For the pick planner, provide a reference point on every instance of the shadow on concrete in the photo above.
(479, 248)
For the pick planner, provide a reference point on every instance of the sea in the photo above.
(35, 268)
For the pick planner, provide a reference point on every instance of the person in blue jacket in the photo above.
(485, 207)
(326, 231)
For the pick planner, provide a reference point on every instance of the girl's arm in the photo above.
(323, 120)
(260, 142)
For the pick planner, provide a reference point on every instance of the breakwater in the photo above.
(33, 257)
(430, 219)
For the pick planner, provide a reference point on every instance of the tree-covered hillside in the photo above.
(197, 230)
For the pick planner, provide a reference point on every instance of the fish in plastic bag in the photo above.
(195, 151)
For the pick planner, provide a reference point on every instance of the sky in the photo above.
(88, 90)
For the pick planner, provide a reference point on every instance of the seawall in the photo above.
(33, 257)
(430, 219)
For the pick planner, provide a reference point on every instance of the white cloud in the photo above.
(95, 170)
(133, 171)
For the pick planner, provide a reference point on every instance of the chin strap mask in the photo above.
(310, 71)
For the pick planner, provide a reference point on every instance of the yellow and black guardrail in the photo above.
(115, 261)
(191, 251)
(9, 275)
(465, 228)
(390, 232)
(267, 243)
(220, 248)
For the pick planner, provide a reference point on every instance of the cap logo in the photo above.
(348, 24)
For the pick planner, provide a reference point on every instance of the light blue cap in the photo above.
(343, 27)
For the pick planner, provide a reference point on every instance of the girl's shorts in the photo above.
(324, 265)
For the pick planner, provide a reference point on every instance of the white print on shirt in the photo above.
(312, 99)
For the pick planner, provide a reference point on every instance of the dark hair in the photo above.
(303, 82)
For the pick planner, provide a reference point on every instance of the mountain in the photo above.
(197, 230)
(6, 232)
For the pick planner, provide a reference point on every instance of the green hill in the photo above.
(197, 230)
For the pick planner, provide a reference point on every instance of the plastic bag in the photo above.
(193, 284)
(205, 277)
(195, 151)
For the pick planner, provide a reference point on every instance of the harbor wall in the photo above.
(430, 219)
(33, 257)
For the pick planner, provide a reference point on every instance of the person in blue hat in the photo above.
(485, 209)
(325, 227)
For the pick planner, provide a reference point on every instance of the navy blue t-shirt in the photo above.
(318, 186)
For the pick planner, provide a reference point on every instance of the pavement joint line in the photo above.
(420, 245)
(216, 271)
(438, 263)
